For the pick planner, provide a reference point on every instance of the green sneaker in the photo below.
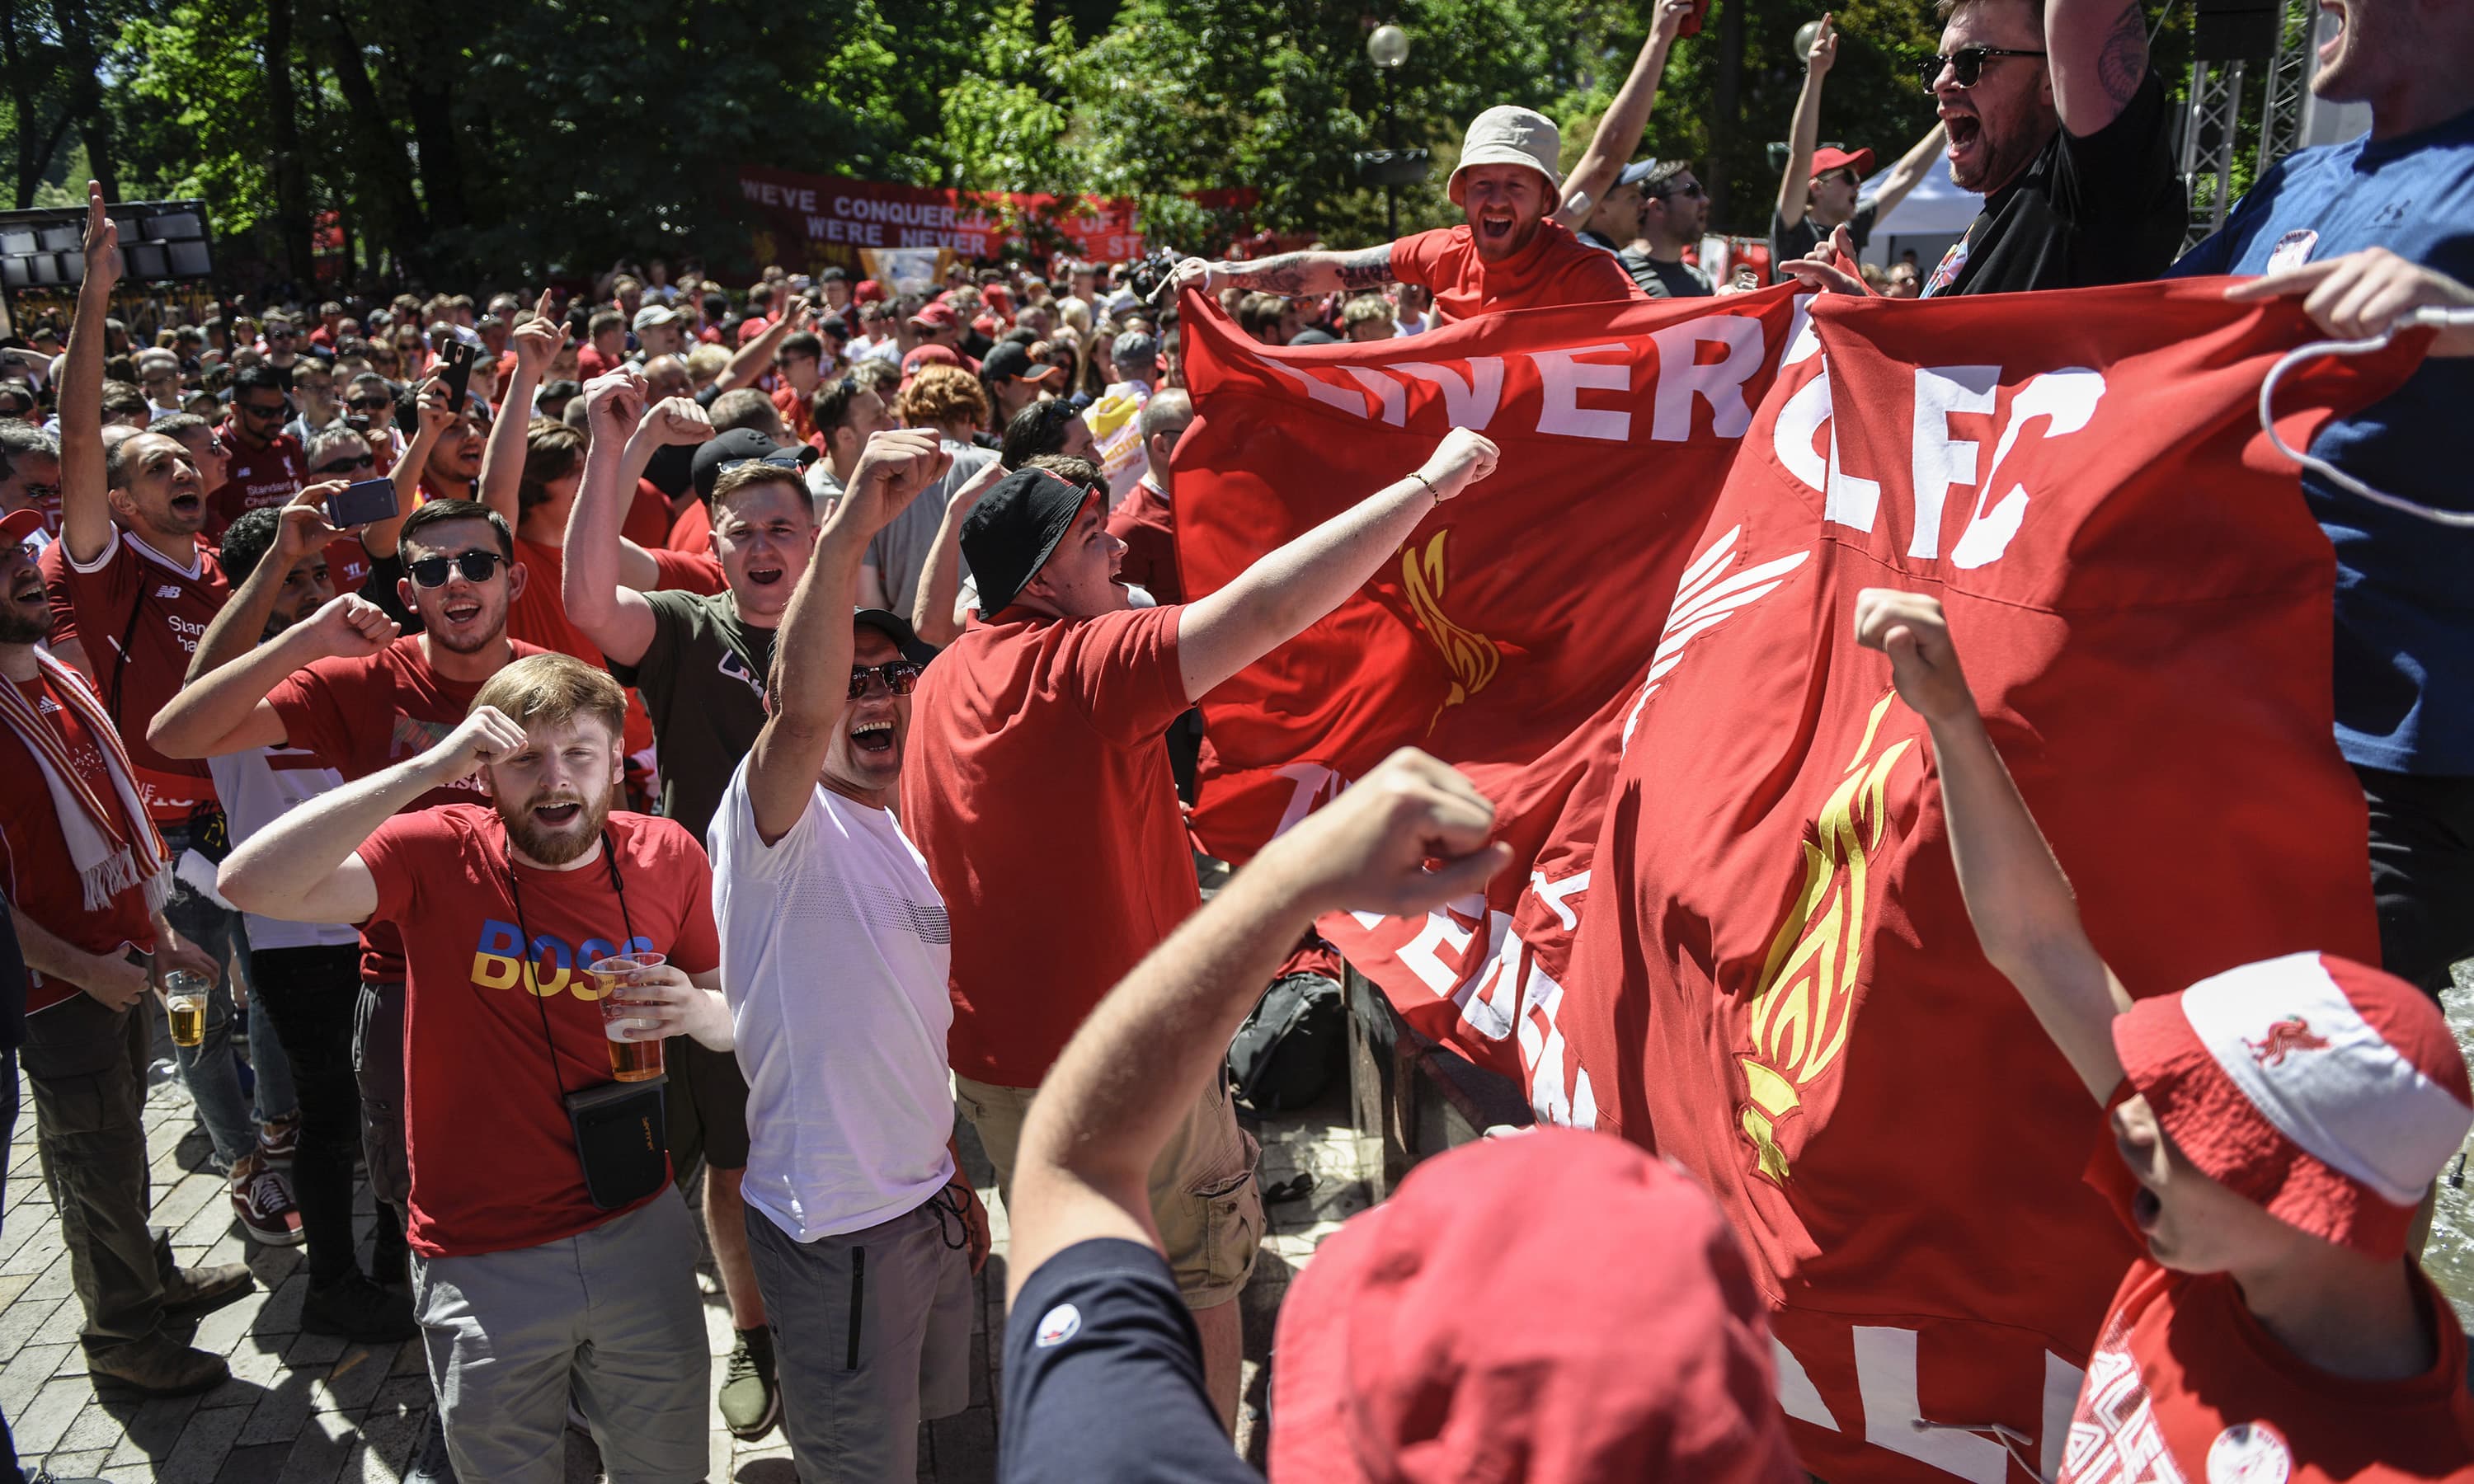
(750, 1402)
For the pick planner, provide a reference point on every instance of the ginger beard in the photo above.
(554, 793)
(1505, 203)
(26, 614)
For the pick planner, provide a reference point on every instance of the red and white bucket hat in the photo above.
(2329, 1094)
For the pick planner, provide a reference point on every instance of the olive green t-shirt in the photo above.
(703, 683)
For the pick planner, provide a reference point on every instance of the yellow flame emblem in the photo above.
(1805, 999)
(1472, 656)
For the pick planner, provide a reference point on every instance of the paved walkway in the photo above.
(309, 1409)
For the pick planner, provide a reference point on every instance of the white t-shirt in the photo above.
(257, 787)
(835, 955)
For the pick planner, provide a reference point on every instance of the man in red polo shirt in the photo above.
(263, 464)
(1035, 741)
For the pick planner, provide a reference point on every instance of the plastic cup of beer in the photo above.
(185, 996)
(621, 1019)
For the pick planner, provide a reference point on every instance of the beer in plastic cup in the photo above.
(630, 1060)
(185, 995)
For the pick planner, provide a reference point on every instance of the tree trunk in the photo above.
(383, 159)
(86, 95)
(1727, 100)
(291, 170)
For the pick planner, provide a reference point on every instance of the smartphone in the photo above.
(458, 375)
(1692, 26)
(360, 503)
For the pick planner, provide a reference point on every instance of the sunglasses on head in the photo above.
(1966, 65)
(475, 565)
(900, 675)
(363, 461)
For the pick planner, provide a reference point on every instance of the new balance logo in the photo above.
(167, 592)
(2290, 1033)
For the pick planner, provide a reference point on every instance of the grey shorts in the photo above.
(871, 1334)
(611, 1313)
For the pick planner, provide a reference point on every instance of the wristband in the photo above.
(1430, 484)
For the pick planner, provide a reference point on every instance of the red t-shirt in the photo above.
(539, 614)
(1034, 742)
(39, 878)
(1146, 525)
(2186, 1385)
(648, 516)
(793, 409)
(493, 1156)
(363, 716)
(132, 589)
(348, 563)
(255, 478)
(1556, 268)
(691, 531)
(590, 363)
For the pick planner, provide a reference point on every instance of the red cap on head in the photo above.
(2329, 1094)
(1826, 161)
(939, 316)
(1558, 1307)
(929, 355)
(20, 526)
(868, 292)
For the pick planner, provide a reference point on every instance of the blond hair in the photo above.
(942, 397)
(548, 690)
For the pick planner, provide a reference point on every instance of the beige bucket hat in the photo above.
(1506, 134)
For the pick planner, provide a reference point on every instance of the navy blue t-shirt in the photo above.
(1104, 1378)
(2405, 586)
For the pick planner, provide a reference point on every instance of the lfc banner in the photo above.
(1734, 934)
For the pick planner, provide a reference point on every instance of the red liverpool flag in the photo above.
(1732, 933)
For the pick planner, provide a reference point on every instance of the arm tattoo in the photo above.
(2121, 62)
(1371, 268)
(1281, 273)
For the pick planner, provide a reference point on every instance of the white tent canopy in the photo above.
(1935, 208)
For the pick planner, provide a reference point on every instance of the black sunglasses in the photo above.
(364, 461)
(370, 403)
(475, 565)
(900, 675)
(1966, 65)
(1690, 190)
(261, 409)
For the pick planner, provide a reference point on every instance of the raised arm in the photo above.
(1619, 131)
(2017, 896)
(86, 513)
(756, 357)
(226, 711)
(1273, 600)
(536, 343)
(1909, 172)
(2097, 49)
(1795, 186)
(1083, 1167)
(812, 653)
(241, 623)
(1294, 273)
(931, 608)
(595, 586)
(303, 869)
(431, 419)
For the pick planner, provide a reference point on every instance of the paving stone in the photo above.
(354, 1382)
(40, 1424)
(198, 1458)
(86, 1465)
(67, 1320)
(253, 1465)
(383, 1451)
(92, 1430)
(966, 1447)
(316, 1352)
(42, 1246)
(282, 1410)
(318, 1455)
(149, 1427)
(26, 1374)
(24, 1316)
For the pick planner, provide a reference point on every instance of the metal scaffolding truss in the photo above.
(2213, 118)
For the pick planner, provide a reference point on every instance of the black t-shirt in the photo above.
(703, 681)
(2105, 209)
(1788, 242)
(1637, 264)
(1104, 1378)
(1678, 280)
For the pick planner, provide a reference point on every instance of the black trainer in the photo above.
(359, 1310)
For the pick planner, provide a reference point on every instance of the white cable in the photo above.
(2429, 315)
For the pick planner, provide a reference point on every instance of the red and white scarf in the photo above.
(111, 842)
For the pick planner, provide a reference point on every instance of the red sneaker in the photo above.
(262, 1200)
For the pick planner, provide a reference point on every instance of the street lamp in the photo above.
(1392, 167)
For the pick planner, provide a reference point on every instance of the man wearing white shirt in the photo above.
(835, 955)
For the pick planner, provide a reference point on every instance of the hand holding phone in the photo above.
(458, 374)
(360, 503)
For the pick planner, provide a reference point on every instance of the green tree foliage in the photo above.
(454, 141)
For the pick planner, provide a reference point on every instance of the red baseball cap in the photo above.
(868, 292)
(1826, 161)
(939, 316)
(20, 526)
(930, 356)
(752, 325)
(2329, 1094)
(1559, 1307)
